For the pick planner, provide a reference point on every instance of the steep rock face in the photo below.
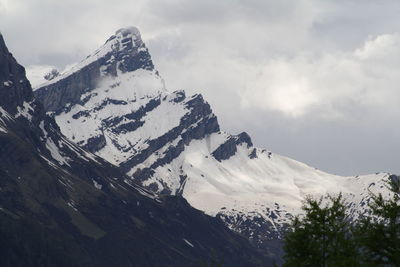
(123, 52)
(14, 84)
(172, 144)
(123, 112)
(63, 206)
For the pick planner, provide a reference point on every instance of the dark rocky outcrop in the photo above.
(253, 154)
(229, 148)
(13, 83)
(51, 75)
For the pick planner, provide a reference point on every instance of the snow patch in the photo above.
(72, 205)
(56, 153)
(3, 129)
(41, 126)
(97, 185)
(187, 242)
(24, 111)
(4, 114)
(50, 162)
(8, 83)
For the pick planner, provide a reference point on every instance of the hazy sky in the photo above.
(318, 81)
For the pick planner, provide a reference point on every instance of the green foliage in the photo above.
(322, 237)
(379, 236)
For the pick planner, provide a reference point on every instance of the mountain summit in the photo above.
(172, 144)
(122, 53)
(63, 206)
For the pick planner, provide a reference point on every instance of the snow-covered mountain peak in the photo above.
(122, 52)
(123, 46)
(121, 62)
(128, 31)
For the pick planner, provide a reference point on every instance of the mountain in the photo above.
(63, 206)
(115, 104)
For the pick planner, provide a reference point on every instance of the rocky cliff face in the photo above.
(119, 102)
(172, 144)
(63, 206)
(122, 52)
(14, 83)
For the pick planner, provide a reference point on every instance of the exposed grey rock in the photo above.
(229, 148)
(14, 87)
(253, 154)
(127, 55)
(51, 75)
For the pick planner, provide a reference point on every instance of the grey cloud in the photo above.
(227, 49)
(340, 147)
(208, 11)
(346, 24)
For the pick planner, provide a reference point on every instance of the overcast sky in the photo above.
(318, 81)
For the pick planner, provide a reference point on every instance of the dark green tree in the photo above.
(322, 237)
(379, 235)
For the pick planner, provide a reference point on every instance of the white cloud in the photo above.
(366, 78)
(4, 6)
(279, 86)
